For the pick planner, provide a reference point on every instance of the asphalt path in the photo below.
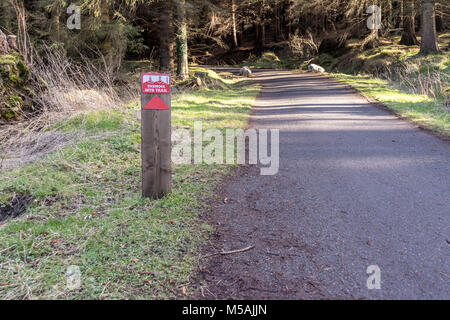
(356, 186)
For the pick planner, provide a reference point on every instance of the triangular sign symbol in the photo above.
(156, 103)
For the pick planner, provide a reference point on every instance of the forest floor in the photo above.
(356, 187)
(81, 205)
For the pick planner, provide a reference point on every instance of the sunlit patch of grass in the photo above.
(105, 120)
(88, 210)
(413, 85)
(213, 74)
(217, 109)
(419, 108)
(268, 60)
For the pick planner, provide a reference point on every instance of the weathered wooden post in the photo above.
(156, 135)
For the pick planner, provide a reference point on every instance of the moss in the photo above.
(268, 60)
(8, 114)
(205, 78)
(326, 60)
(14, 102)
(13, 70)
(12, 108)
(14, 77)
(24, 71)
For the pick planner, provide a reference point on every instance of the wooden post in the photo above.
(156, 135)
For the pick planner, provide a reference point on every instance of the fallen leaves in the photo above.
(145, 272)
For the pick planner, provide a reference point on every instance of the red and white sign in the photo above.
(156, 103)
(156, 83)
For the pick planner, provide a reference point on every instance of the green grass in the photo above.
(88, 210)
(268, 60)
(393, 74)
(419, 108)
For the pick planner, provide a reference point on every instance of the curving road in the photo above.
(356, 187)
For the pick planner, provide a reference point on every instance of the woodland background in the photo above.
(210, 31)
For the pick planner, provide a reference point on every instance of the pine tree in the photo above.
(409, 33)
(165, 47)
(429, 37)
(181, 40)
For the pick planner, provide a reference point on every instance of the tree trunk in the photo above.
(263, 35)
(233, 13)
(390, 20)
(288, 17)
(278, 35)
(409, 32)
(257, 34)
(165, 47)
(5, 15)
(241, 33)
(263, 25)
(402, 13)
(56, 13)
(429, 37)
(372, 40)
(439, 18)
(181, 40)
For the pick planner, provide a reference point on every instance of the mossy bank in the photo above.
(14, 90)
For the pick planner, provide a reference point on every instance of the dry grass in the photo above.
(422, 77)
(306, 47)
(63, 89)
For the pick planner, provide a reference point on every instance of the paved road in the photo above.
(356, 187)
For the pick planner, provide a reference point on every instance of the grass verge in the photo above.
(88, 211)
